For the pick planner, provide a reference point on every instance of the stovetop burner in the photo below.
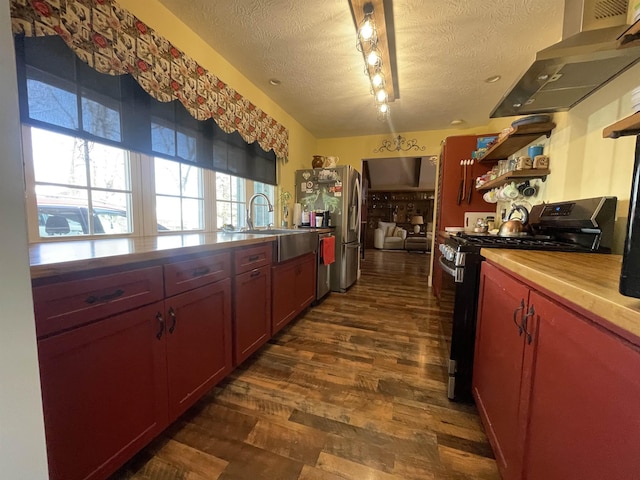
(533, 242)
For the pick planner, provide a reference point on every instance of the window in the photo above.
(82, 187)
(230, 200)
(179, 196)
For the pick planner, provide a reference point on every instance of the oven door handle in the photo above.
(454, 272)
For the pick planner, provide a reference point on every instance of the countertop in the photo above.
(587, 280)
(56, 258)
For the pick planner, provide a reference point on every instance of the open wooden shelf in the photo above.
(522, 136)
(516, 175)
(627, 126)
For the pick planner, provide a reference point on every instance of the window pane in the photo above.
(58, 158)
(113, 220)
(167, 177)
(109, 167)
(223, 214)
(191, 181)
(100, 120)
(163, 139)
(187, 147)
(223, 187)
(62, 211)
(192, 214)
(168, 212)
(50, 103)
(238, 189)
(239, 214)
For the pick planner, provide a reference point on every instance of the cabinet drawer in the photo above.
(196, 272)
(252, 257)
(68, 304)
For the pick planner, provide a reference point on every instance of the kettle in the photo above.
(515, 227)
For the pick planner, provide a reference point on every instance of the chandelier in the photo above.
(373, 42)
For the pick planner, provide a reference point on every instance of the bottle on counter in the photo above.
(305, 217)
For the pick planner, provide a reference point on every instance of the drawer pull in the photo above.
(255, 273)
(104, 298)
(172, 314)
(200, 271)
(254, 258)
(161, 322)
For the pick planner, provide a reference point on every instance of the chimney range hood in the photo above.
(564, 74)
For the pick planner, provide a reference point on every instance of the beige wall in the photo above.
(22, 444)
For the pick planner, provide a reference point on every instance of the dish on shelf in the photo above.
(531, 119)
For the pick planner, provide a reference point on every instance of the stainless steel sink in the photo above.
(290, 243)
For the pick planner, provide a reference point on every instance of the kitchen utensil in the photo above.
(524, 163)
(471, 219)
(541, 161)
(461, 187)
(515, 227)
(534, 150)
(531, 119)
(527, 190)
(470, 181)
(510, 191)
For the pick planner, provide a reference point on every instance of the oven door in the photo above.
(466, 281)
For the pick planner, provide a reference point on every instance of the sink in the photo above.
(290, 243)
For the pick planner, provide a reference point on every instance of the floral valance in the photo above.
(113, 41)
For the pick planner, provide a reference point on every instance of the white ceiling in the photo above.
(444, 48)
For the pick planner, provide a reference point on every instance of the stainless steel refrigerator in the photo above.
(338, 191)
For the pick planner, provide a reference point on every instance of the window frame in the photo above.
(143, 204)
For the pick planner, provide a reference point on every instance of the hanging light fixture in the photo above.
(372, 42)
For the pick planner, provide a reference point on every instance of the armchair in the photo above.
(389, 236)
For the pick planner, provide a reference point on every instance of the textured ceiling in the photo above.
(444, 48)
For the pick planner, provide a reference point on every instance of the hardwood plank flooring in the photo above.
(353, 389)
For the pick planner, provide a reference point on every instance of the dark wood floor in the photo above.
(353, 389)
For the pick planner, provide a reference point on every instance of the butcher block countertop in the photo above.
(589, 281)
(57, 258)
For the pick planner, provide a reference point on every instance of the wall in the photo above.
(22, 444)
(302, 145)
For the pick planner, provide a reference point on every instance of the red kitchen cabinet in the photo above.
(252, 311)
(557, 400)
(450, 213)
(199, 343)
(583, 390)
(104, 392)
(497, 375)
(293, 289)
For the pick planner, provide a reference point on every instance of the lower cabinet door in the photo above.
(306, 281)
(198, 343)
(104, 392)
(584, 414)
(498, 361)
(284, 301)
(252, 307)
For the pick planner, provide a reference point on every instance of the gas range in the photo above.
(577, 226)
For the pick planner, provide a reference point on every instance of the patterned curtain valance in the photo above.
(113, 41)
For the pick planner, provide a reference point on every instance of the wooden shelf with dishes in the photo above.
(517, 176)
(627, 126)
(520, 137)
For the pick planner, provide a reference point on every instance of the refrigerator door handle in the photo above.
(356, 220)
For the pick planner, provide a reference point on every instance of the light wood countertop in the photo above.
(57, 258)
(587, 280)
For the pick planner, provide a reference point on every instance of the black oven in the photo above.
(577, 226)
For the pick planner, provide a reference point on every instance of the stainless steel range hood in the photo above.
(564, 74)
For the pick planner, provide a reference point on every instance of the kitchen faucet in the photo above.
(250, 225)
